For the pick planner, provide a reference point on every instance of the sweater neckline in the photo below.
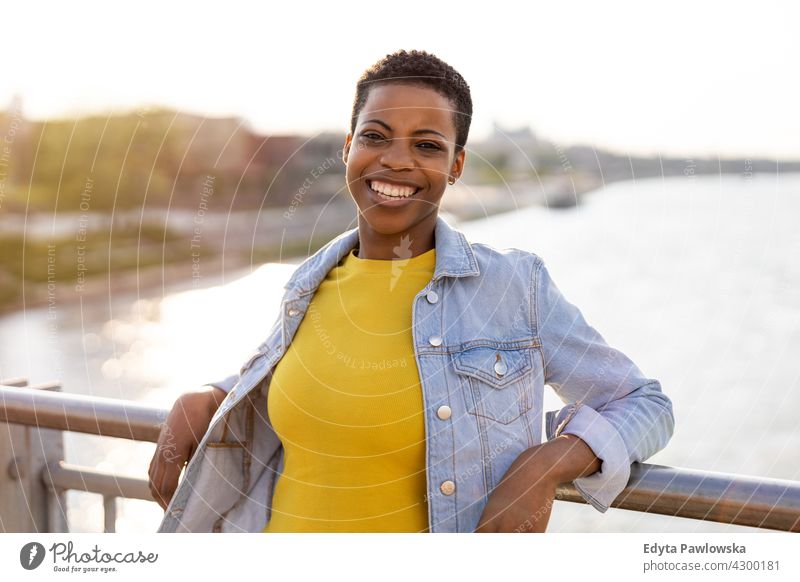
(423, 262)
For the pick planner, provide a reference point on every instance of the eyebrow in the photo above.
(418, 132)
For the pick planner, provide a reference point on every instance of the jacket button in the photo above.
(448, 487)
(176, 512)
(500, 367)
(435, 340)
(432, 296)
(444, 412)
(293, 311)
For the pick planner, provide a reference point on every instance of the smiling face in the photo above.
(401, 156)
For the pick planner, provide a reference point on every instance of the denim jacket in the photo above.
(489, 330)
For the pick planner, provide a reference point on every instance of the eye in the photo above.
(429, 145)
(372, 136)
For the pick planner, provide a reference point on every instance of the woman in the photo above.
(401, 387)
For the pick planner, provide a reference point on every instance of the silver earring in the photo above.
(451, 181)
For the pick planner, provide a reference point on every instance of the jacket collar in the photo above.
(454, 258)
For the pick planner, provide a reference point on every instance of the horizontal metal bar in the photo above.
(724, 498)
(709, 496)
(61, 475)
(80, 413)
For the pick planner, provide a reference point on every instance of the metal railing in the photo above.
(44, 407)
(678, 492)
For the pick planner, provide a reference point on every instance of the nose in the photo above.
(398, 155)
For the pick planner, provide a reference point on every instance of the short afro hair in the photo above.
(419, 68)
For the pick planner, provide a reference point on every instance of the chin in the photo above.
(384, 223)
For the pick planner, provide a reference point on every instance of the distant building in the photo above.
(507, 154)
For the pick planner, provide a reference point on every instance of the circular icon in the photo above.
(31, 555)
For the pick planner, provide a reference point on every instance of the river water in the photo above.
(697, 279)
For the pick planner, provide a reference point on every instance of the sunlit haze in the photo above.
(681, 78)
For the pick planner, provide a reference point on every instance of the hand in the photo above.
(523, 500)
(185, 426)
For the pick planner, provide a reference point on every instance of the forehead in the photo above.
(408, 106)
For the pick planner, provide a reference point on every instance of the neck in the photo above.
(418, 239)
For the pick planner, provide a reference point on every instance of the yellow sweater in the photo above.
(346, 402)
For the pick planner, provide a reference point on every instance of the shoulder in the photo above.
(505, 259)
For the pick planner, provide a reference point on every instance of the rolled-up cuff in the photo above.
(602, 487)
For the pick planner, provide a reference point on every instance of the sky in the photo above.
(674, 78)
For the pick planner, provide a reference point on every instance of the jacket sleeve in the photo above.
(225, 384)
(623, 416)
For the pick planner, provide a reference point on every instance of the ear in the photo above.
(346, 150)
(458, 165)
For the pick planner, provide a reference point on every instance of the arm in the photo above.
(614, 416)
(180, 434)
(523, 499)
(619, 413)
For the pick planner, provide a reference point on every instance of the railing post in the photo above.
(57, 511)
(110, 513)
(26, 504)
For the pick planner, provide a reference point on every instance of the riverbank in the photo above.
(191, 273)
(46, 260)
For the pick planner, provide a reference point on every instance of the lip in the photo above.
(378, 200)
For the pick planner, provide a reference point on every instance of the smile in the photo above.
(391, 191)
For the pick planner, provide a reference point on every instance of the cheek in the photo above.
(439, 173)
(356, 161)
(354, 170)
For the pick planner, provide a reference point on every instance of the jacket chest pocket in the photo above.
(496, 381)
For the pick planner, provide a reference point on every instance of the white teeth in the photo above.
(392, 190)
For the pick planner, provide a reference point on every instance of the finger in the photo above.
(156, 484)
(167, 481)
(153, 472)
(160, 492)
(154, 493)
(166, 470)
(156, 497)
